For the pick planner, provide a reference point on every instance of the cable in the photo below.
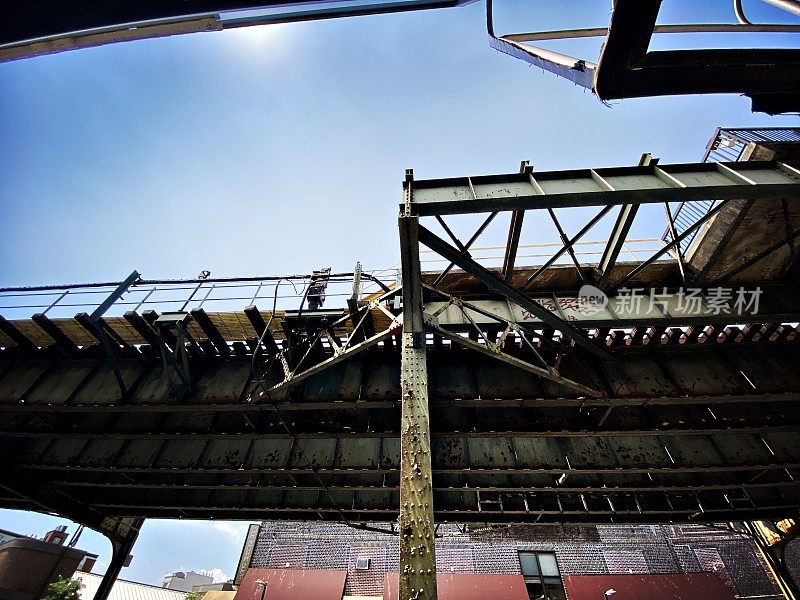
(259, 381)
(266, 330)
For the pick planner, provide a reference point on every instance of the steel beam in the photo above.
(464, 248)
(532, 401)
(416, 525)
(616, 240)
(630, 308)
(547, 489)
(675, 243)
(570, 243)
(115, 295)
(578, 71)
(629, 185)
(661, 470)
(120, 550)
(349, 434)
(514, 228)
(293, 378)
(39, 27)
(667, 514)
(547, 373)
(500, 286)
(514, 232)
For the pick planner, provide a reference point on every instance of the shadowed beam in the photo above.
(498, 285)
(514, 232)
(627, 213)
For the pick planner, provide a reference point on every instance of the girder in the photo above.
(607, 186)
(674, 422)
(472, 395)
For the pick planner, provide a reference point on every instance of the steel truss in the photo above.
(377, 412)
(517, 193)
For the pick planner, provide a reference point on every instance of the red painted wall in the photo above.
(292, 584)
(689, 586)
(466, 586)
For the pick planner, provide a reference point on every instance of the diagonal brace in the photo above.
(488, 350)
(498, 285)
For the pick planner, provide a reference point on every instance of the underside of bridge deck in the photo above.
(467, 395)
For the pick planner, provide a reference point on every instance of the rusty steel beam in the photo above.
(120, 551)
(416, 523)
(369, 405)
(755, 467)
(348, 434)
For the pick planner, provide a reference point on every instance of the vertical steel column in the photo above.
(121, 548)
(417, 551)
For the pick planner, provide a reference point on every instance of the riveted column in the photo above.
(127, 530)
(417, 552)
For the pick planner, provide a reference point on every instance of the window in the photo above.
(362, 564)
(541, 574)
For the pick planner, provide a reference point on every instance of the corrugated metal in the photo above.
(467, 586)
(126, 590)
(292, 584)
(690, 586)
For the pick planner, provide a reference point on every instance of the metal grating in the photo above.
(727, 145)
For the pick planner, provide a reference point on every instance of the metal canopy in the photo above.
(30, 28)
(627, 68)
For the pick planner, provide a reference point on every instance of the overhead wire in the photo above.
(260, 382)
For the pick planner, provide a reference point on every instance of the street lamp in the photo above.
(263, 585)
(606, 594)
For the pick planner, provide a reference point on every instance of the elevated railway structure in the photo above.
(611, 392)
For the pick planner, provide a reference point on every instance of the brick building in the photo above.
(29, 564)
(554, 558)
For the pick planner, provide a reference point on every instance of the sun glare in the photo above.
(263, 41)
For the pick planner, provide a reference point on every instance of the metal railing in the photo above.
(285, 292)
(726, 145)
(534, 255)
(182, 295)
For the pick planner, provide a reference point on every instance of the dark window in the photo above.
(542, 577)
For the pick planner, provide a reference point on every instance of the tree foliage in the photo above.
(63, 589)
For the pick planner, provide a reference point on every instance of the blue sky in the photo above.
(282, 149)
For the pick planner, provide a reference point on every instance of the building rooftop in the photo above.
(126, 590)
